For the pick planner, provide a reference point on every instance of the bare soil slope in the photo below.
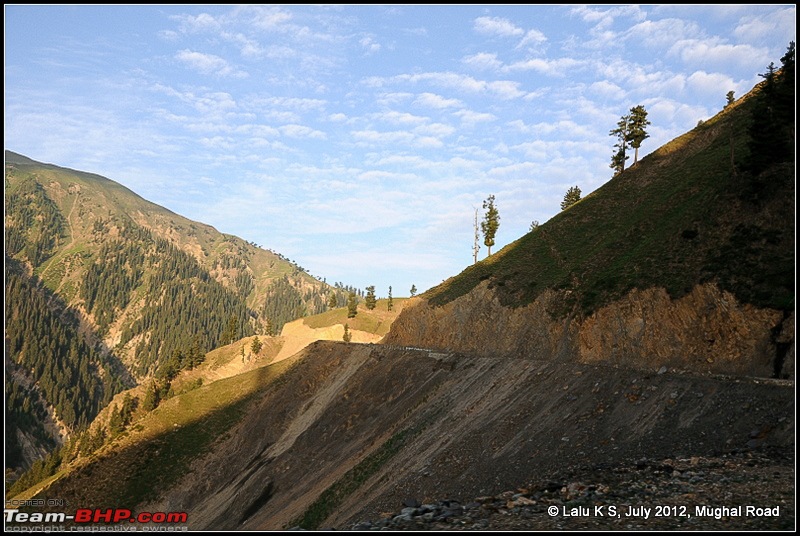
(353, 430)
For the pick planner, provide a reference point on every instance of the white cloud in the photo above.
(373, 136)
(337, 118)
(427, 142)
(446, 79)
(400, 118)
(269, 18)
(505, 89)
(391, 99)
(607, 89)
(768, 26)
(482, 61)
(710, 83)
(213, 103)
(379, 175)
(208, 64)
(424, 136)
(403, 161)
(673, 118)
(661, 33)
(437, 130)
(257, 131)
(497, 26)
(469, 117)
(302, 131)
(603, 18)
(369, 45)
(431, 100)
(199, 23)
(532, 38)
(219, 143)
(294, 103)
(416, 31)
(279, 116)
(169, 35)
(713, 52)
(553, 67)
(636, 80)
(566, 127)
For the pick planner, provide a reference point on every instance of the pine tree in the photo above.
(128, 406)
(637, 132)
(413, 290)
(572, 196)
(332, 302)
(490, 223)
(352, 305)
(620, 156)
(389, 303)
(230, 331)
(268, 326)
(729, 99)
(347, 337)
(772, 130)
(150, 397)
(256, 346)
(631, 131)
(370, 300)
(115, 426)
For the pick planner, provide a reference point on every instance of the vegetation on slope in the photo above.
(159, 447)
(377, 320)
(129, 281)
(44, 346)
(682, 216)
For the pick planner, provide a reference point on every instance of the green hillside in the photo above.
(683, 215)
(376, 321)
(106, 287)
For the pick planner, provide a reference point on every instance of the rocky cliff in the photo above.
(707, 330)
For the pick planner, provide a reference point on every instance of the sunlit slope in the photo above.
(678, 218)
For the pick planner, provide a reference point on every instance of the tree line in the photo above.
(43, 339)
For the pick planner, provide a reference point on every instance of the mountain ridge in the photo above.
(111, 265)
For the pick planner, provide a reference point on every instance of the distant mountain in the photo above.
(103, 287)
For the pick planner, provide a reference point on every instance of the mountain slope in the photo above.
(536, 364)
(347, 432)
(131, 285)
(681, 260)
(679, 217)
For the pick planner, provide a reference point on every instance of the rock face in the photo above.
(705, 331)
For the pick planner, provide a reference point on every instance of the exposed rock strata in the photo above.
(707, 330)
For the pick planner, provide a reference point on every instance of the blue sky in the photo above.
(358, 140)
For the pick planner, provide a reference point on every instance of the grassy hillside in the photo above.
(161, 445)
(679, 217)
(376, 321)
(214, 376)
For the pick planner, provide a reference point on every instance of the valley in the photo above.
(635, 351)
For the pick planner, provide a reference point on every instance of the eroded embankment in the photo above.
(352, 430)
(705, 331)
